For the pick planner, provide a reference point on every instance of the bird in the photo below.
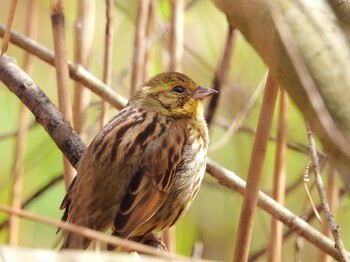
(142, 171)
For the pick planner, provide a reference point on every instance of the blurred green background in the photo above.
(214, 216)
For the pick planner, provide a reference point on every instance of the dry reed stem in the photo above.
(21, 139)
(84, 35)
(138, 61)
(298, 247)
(11, 15)
(176, 43)
(62, 75)
(91, 234)
(107, 59)
(333, 198)
(246, 222)
(296, 224)
(150, 32)
(279, 180)
(221, 73)
(17, 173)
(335, 229)
(176, 37)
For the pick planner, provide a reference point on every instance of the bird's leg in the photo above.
(153, 240)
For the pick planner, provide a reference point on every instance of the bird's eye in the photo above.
(178, 89)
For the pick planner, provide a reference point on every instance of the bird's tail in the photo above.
(74, 241)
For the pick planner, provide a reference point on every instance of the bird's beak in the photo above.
(203, 93)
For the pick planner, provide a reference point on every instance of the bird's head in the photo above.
(173, 94)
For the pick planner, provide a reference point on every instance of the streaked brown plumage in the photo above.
(142, 171)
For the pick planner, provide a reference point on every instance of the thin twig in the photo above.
(107, 59)
(306, 179)
(77, 72)
(245, 228)
(292, 145)
(333, 198)
(279, 180)
(84, 35)
(323, 197)
(296, 224)
(91, 234)
(221, 73)
(308, 217)
(204, 63)
(11, 14)
(313, 206)
(14, 133)
(237, 122)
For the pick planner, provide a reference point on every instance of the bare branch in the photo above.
(77, 72)
(323, 197)
(45, 112)
(295, 223)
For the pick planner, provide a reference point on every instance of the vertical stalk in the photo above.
(138, 61)
(276, 235)
(62, 75)
(149, 32)
(176, 40)
(21, 142)
(84, 35)
(107, 60)
(246, 222)
(176, 47)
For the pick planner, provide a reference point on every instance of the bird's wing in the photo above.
(151, 182)
(95, 166)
